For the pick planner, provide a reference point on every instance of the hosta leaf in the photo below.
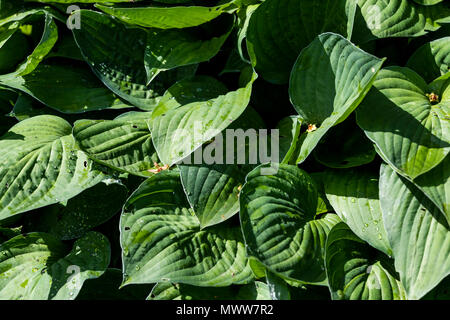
(65, 88)
(178, 132)
(161, 240)
(417, 232)
(436, 186)
(37, 266)
(396, 18)
(278, 31)
(213, 189)
(411, 133)
(358, 272)
(168, 49)
(40, 165)
(124, 143)
(346, 75)
(431, 60)
(89, 209)
(344, 146)
(166, 17)
(278, 221)
(107, 287)
(354, 196)
(174, 291)
(116, 56)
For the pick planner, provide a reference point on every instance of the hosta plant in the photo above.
(225, 149)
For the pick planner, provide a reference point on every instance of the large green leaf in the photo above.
(346, 75)
(40, 165)
(168, 49)
(178, 132)
(116, 55)
(358, 272)
(123, 144)
(411, 133)
(278, 31)
(166, 17)
(66, 88)
(161, 240)
(37, 266)
(354, 196)
(431, 60)
(396, 18)
(278, 221)
(418, 234)
(82, 213)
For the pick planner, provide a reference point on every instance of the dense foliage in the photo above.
(99, 201)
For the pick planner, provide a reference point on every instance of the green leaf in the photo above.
(354, 196)
(278, 221)
(89, 209)
(122, 144)
(417, 233)
(116, 56)
(41, 165)
(346, 75)
(396, 18)
(106, 287)
(37, 266)
(169, 49)
(178, 132)
(65, 88)
(278, 31)
(431, 60)
(410, 132)
(358, 272)
(166, 17)
(161, 240)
